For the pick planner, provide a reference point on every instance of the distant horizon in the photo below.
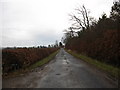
(26, 46)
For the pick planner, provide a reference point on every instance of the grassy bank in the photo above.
(31, 67)
(112, 71)
(44, 61)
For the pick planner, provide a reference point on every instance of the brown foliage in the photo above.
(104, 47)
(22, 57)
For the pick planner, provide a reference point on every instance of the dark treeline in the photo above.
(96, 39)
(56, 45)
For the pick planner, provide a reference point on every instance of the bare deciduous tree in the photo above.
(82, 20)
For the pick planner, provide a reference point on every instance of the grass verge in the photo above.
(33, 66)
(44, 61)
(112, 71)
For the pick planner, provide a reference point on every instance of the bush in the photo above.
(17, 58)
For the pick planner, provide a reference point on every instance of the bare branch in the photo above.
(86, 14)
(82, 19)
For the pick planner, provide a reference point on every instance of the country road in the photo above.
(64, 71)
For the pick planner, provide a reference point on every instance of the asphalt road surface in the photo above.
(64, 71)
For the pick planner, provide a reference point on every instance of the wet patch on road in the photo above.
(58, 74)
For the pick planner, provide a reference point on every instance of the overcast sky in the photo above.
(41, 22)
